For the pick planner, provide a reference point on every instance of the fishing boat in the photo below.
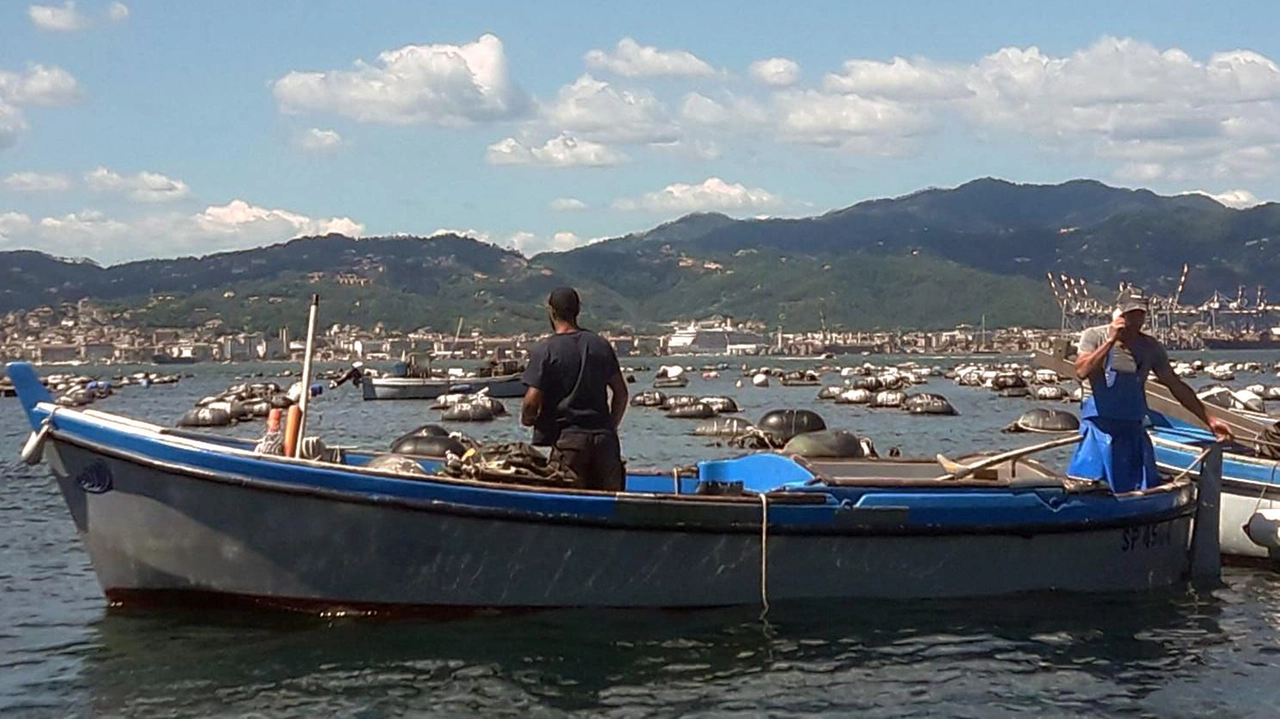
(170, 515)
(504, 386)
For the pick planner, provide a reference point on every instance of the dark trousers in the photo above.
(595, 456)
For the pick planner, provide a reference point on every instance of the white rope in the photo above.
(1270, 483)
(764, 555)
(1199, 458)
(675, 476)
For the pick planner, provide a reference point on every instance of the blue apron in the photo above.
(1115, 447)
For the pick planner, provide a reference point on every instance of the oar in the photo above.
(955, 470)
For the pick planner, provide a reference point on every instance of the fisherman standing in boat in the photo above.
(1116, 360)
(568, 403)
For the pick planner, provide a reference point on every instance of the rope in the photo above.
(764, 556)
(675, 477)
(1263, 492)
(1199, 458)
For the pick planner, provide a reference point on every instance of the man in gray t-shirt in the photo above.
(1116, 360)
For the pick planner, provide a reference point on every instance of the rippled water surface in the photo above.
(1179, 653)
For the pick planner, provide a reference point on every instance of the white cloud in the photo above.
(529, 243)
(562, 151)
(734, 111)
(149, 187)
(1238, 199)
(318, 140)
(448, 85)
(898, 80)
(596, 110)
(12, 124)
(480, 235)
(39, 86)
(631, 59)
(850, 122)
(37, 182)
(775, 71)
(57, 19)
(690, 149)
(13, 223)
(567, 204)
(712, 194)
(1161, 114)
(118, 12)
(238, 218)
(235, 225)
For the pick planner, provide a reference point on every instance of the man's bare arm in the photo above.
(531, 406)
(1186, 397)
(618, 398)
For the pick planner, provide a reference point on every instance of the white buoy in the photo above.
(760, 380)
(1263, 529)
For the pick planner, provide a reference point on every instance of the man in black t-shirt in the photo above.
(568, 403)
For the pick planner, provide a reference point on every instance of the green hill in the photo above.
(934, 258)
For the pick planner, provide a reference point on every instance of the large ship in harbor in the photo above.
(1266, 340)
(716, 338)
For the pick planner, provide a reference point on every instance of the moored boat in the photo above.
(174, 515)
(1250, 482)
(501, 386)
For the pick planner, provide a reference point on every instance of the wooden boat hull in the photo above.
(163, 531)
(170, 515)
(502, 387)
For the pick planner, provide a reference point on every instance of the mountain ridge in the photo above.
(931, 258)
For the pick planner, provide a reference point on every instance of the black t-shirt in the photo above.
(573, 371)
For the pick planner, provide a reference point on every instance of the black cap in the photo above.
(564, 302)
(1131, 299)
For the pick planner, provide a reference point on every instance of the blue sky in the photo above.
(148, 128)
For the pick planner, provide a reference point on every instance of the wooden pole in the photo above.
(304, 400)
(1206, 552)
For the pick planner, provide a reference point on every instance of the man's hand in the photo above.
(1117, 326)
(1221, 430)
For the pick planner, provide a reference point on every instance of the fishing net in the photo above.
(510, 463)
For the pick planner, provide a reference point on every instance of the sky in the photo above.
(151, 128)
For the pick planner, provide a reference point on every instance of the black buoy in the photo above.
(205, 417)
(783, 424)
(831, 443)
(396, 464)
(722, 427)
(697, 410)
(722, 404)
(1045, 420)
(430, 440)
(649, 398)
(928, 403)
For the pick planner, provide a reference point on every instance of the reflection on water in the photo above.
(1047, 654)
(1170, 654)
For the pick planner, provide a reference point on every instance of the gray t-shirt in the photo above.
(1142, 356)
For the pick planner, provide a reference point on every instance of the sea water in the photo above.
(1174, 653)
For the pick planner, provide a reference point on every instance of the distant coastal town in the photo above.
(82, 333)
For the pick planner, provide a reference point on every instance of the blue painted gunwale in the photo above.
(1182, 442)
(946, 510)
